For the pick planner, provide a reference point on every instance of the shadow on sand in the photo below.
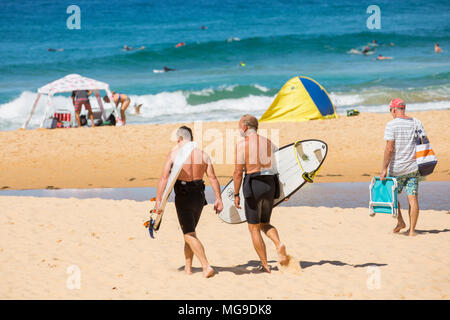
(250, 267)
(431, 231)
(307, 264)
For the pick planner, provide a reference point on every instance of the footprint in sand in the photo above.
(5, 187)
(131, 179)
(95, 235)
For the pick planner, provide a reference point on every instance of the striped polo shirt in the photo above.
(401, 131)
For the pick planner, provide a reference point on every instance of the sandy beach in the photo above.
(74, 200)
(132, 156)
(336, 254)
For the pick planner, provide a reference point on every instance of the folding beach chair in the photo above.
(383, 196)
(64, 116)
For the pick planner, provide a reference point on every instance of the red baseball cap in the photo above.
(397, 103)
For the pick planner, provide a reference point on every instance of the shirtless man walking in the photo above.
(255, 157)
(190, 197)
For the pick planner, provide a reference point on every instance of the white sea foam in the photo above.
(167, 107)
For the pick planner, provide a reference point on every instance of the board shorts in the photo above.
(189, 202)
(410, 182)
(260, 193)
(80, 102)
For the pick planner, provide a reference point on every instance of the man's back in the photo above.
(258, 153)
(81, 94)
(402, 132)
(194, 168)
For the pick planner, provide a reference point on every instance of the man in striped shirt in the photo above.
(400, 159)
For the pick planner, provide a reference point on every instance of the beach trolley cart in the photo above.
(383, 196)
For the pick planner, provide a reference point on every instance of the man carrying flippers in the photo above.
(190, 197)
(255, 157)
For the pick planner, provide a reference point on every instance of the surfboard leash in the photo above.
(307, 176)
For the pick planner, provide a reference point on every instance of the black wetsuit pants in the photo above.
(259, 192)
(189, 202)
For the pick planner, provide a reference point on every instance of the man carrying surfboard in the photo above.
(255, 157)
(190, 196)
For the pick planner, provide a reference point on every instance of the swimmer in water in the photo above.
(137, 108)
(437, 49)
(366, 50)
(165, 69)
(127, 48)
(381, 57)
(242, 64)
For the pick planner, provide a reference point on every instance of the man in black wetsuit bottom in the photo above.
(255, 157)
(190, 197)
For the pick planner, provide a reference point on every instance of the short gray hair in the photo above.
(250, 121)
(184, 133)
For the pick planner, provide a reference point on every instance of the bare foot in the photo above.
(282, 255)
(209, 272)
(411, 233)
(187, 271)
(399, 227)
(263, 268)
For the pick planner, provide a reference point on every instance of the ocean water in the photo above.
(277, 40)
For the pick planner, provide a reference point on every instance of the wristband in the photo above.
(236, 195)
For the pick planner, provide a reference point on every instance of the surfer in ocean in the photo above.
(190, 197)
(255, 157)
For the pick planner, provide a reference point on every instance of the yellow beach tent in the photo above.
(300, 99)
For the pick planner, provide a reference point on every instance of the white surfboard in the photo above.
(182, 155)
(293, 160)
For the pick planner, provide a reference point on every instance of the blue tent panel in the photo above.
(319, 96)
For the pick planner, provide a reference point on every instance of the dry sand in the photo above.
(336, 253)
(133, 156)
(340, 251)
